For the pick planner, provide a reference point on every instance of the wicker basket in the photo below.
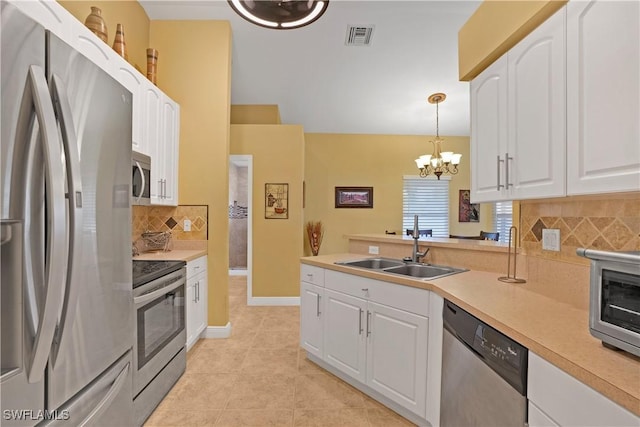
(156, 240)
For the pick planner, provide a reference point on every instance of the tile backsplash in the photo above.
(170, 218)
(610, 222)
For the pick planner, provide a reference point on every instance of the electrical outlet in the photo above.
(374, 250)
(187, 225)
(551, 239)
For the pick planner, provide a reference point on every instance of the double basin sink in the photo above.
(402, 268)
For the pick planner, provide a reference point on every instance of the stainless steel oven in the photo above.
(614, 307)
(160, 334)
(140, 179)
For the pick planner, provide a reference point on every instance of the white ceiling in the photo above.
(328, 87)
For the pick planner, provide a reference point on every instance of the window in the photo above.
(429, 199)
(502, 218)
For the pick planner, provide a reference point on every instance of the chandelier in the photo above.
(440, 161)
(280, 14)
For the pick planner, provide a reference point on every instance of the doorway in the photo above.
(240, 214)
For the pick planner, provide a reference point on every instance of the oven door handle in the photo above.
(143, 299)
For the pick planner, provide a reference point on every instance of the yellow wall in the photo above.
(377, 161)
(494, 28)
(278, 157)
(130, 14)
(195, 70)
(255, 115)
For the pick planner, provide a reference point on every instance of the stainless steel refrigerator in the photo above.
(66, 297)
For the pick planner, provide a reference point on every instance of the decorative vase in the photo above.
(96, 24)
(152, 64)
(118, 42)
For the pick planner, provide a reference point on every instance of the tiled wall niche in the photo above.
(170, 218)
(610, 222)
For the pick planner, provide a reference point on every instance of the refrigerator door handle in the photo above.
(108, 398)
(56, 217)
(74, 196)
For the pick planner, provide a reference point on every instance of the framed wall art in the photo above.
(354, 197)
(467, 211)
(276, 201)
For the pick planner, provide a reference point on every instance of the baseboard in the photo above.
(217, 331)
(273, 301)
(237, 272)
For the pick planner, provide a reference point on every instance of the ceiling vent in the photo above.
(359, 35)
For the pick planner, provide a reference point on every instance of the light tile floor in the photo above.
(260, 377)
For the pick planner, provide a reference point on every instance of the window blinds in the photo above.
(502, 217)
(429, 199)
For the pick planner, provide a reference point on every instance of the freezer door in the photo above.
(97, 327)
(102, 402)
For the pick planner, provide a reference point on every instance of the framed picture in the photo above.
(276, 201)
(354, 197)
(467, 211)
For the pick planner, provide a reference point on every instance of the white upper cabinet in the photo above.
(95, 49)
(603, 96)
(49, 14)
(535, 162)
(518, 119)
(170, 116)
(134, 82)
(152, 100)
(489, 132)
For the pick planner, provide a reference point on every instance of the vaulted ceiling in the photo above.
(326, 86)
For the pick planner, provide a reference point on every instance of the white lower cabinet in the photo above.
(397, 355)
(345, 333)
(375, 333)
(558, 399)
(197, 282)
(311, 296)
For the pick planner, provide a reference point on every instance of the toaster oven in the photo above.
(614, 304)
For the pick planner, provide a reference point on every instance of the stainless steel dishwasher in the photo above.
(484, 374)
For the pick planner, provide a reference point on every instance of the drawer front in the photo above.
(198, 265)
(414, 300)
(312, 274)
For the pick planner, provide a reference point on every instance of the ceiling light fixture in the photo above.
(440, 161)
(280, 14)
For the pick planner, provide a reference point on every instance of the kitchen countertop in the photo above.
(173, 255)
(556, 331)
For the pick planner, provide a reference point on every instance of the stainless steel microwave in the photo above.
(140, 179)
(614, 305)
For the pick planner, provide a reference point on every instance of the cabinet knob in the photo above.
(365, 289)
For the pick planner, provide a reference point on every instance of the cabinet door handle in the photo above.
(360, 321)
(506, 167)
(317, 305)
(368, 323)
(310, 276)
(198, 289)
(160, 189)
(195, 293)
(499, 185)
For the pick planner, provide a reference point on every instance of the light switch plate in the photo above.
(187, 225)
(374, 250)
(551, 239)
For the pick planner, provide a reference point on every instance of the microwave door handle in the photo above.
(143, 299)
(56, 223)
(144, 182)
(74, 196)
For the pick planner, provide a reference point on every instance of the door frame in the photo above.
(246, 160)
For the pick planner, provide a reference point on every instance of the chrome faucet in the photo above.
(416, 254)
